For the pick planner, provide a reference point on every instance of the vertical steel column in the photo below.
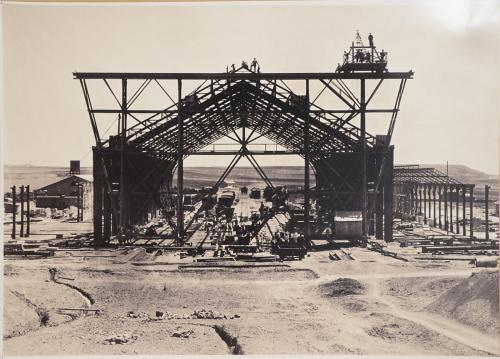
(388, 194)
(434, 205)
(364, 199)
(107, 217)
(463, 212)
(450, 226)
(123, 137)
(446, 195)
(425, 203)
(14, 210)
(457, 222)
(180, 165)
(98, 188)
(114, 220)
(307, 233)
(429, 202)
(471, 211)
(408, 200)
(440, 192)
(419, 195)
(486, 211)
(415, 199)
(28, 217)
(21, 195)
(411, 200)
(379, 205)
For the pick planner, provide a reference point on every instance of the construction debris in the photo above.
(120, 339)
(207, 314)
(166, 315)
(341, 254)
(182, 333)
(377, 247)
(133, 314)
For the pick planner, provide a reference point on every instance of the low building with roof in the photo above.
(64, 193)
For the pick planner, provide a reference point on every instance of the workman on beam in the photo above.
(370, 39)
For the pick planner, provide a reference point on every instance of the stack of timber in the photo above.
(341, 254)
(26, 250)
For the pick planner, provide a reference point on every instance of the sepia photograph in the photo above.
(250, 178)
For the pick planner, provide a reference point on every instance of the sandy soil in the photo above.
(473, 302)
(369, 305)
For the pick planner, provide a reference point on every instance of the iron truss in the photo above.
(222, 103)
(413, 174)
(323, 119)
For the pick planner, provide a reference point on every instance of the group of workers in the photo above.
(254, 66)
(282, 239)
(361, 56)
(280, 197)
(242, 232)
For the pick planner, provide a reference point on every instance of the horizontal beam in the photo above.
(234, 153)
(437, 184)
(112, 151)
(242, 76)
(389, 110)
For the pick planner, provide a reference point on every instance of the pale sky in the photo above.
(450, 109)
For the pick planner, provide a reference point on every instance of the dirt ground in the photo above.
(370, 305)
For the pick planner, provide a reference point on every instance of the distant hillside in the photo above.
(291, 176)
(466, 174)
(469, 175)
(35, 176)
(38, 177)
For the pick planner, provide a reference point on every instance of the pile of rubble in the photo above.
(181, 333)
(120, 339)
(133, 314)
(197, 314)
(207, 314)
(168, 315)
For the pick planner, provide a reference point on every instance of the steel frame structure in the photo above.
(420, 190)
(133, 169)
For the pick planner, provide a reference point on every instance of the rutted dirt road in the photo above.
(461, 333)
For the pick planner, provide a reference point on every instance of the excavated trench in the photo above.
(87, 297)
(42, 313)
(231, 341)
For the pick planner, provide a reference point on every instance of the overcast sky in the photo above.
(450, 110)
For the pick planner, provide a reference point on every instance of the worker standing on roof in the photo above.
(359, 55)
(367, 57)
(383, 55)
(370, 39)
(253, 66)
